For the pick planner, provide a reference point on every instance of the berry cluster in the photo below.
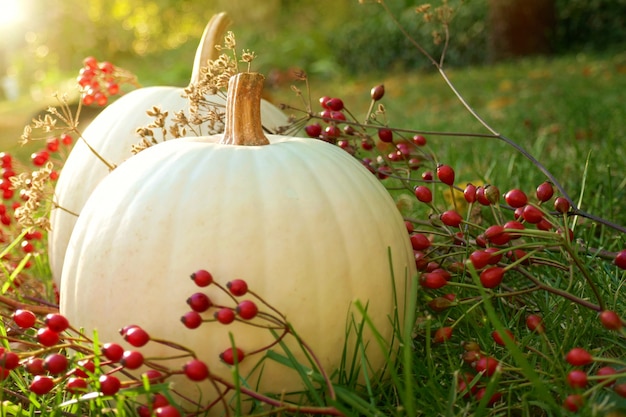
(478, 246)
(101, 80)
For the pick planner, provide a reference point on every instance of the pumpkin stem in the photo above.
(213, 35)
(243, 111)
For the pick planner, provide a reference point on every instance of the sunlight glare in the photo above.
(10, 12)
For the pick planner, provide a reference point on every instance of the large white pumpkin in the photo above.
(305, 224)
(112, 134)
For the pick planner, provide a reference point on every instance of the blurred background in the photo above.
(43, 42)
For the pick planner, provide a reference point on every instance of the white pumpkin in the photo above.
(305, 224)
(112, 134)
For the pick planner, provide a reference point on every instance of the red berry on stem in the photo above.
(41, 385)
(314, 130)
(76, 385)
(606, 372)
(323, 100)
(166, 411)
(202, 278)
(499, 337)
(377, 92)
(113, 351)
(131, 359)
(515, 198)
(109, 384)
(423, 194)
(419, 241)
(385, 135)
(335, 104)
(577, 379)
(480, 258)
(620, 389)
(433, 280)
(56, 322)
(545, 191)
(237, 287)
(34, 366)
(532, 214)
(199, 302)
(578, 357)
(137, 336)
(610, 320)
(445, 173)
(47, 337)
(225, 315)
(196, 370)
(451, 218)
(481, 197)
(442, 334)
(24, 318)
(574, 402)
(496, 235)
(419, 140)
(487, 364)
(620, 259)
(228, 356)
(191, 320)
(55, 363)
(495, 397)
(561, 205)
(469, 193)
(247, 309)
(535, 323)
(491, 277)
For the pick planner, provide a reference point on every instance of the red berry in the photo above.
(499, 337)
(137, 336)
(113, 351)
(199, 302)
(487, 364)
(247, 309)
(55, 363)
(496, 256)
(34, 366)
(442, 334)
(385, 135)
(202, 278)
(480, 258)
(335, 104)
(76, 385)
(445, 173)
(166, 411)
(47, 337)
(90, 62)
(535, 323)
(323, 100)
(610, 320)
(561, 205)
(85, 368)
(377, 92)
(40, 158)
(620, 389)
(113, 88)
(196, 370)
(469, 193)
(578, 357)
(41, 385)
(423, 194)
(314, 130)
(495, 397)
(451, 218)
(427, 175)
(419, 241)
(496, 235)
(153, 376)
(225, 315)
(439, 304)
(545, 192)
(66, 139)
(52, 144)
(481, 197)
(419, 140)
(109, 384)
(620, 259)
(237, 287)
(577, 379)
(56, 322)
(228, 356)
(516, 198)
(24, 318)
(131, 359)
(491, 277)
(606, 372)
(514, 224)
(433, 280)
(191, 320)
(532, 214)
(574, 402)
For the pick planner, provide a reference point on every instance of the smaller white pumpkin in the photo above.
(113, 133)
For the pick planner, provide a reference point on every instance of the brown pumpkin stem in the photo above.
(213, 35)
(243, 111)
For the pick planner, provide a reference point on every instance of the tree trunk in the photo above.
(520, 28)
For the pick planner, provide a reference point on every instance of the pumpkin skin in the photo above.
(305, 224)
(112, 134)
